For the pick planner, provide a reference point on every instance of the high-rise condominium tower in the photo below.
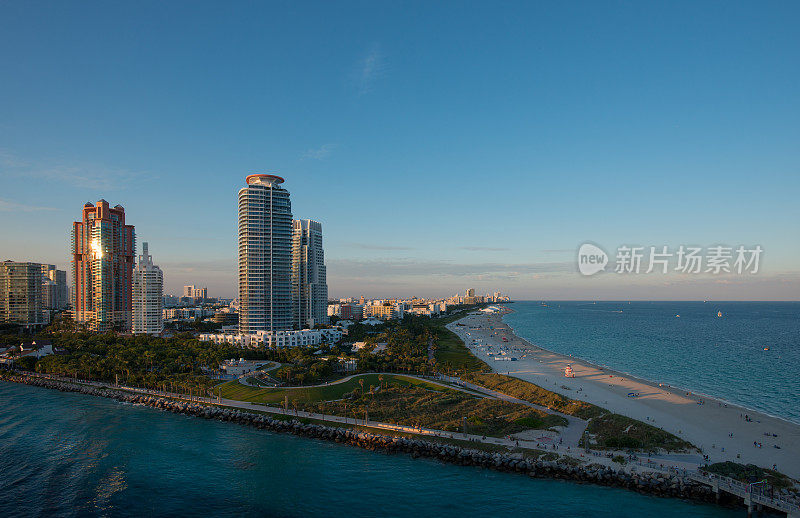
(265, 255)
(54, 287)
(103, 248)
(21, 293)
(309, 284)
(148, 292)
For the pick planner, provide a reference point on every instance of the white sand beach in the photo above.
(704, 421)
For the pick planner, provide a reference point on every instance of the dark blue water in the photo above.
(76, 455)
(722, 357)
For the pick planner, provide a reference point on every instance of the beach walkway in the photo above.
(753, 495)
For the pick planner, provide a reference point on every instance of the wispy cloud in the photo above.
(84, 175)
(9, 206)
(370, 68)
(484, 248)
(370, 246)
(320, 153)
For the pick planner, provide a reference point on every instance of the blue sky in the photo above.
(442, 145)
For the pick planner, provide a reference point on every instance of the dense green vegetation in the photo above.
(441, 410)
(452, 355)
(407, 344)
(614, 431)
(176, 363)
(307, 395)
(526, 391)
(750, 473)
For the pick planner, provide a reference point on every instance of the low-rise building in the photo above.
(226, 317)
(33, 349)
(371, 322)
(348, 364)
(379, 347)
(238, 367)
(302, 338)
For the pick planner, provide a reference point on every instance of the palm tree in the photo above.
(361, 382)
(380, 379)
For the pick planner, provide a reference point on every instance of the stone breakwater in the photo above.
(659, 484)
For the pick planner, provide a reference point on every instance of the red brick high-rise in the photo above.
(103, 251)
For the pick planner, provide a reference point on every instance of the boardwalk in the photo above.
(753, 495)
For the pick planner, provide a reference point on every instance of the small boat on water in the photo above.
(677, 316)
(766, 348)
(719, 313)
(568, 372)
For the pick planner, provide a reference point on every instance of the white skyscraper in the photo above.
(309, 283)
(265, 255)
(148, 291)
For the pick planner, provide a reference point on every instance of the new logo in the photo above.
(591, 259)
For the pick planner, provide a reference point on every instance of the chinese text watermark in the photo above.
(713, 260)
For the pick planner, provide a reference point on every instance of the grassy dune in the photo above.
(411, 406)
(526, 391)
(275, 395)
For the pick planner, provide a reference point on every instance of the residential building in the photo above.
(301, 338)
(103, 248)
(265, 255)
(351, 311)
(21, 294)
(40, 349)
(148, 293)
(309, 280)
(193, 292)
(334, 310)
(384, 311)
(187, 313)
(226, 318)
(54, 288)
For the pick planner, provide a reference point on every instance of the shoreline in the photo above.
(660, 384)
(708, 425)
(665, 485)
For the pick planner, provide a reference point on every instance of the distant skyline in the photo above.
(441, 146)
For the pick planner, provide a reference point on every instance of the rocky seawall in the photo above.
(658, 484)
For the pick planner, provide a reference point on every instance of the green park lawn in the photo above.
(275, 395)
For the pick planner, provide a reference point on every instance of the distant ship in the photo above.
(719, 313)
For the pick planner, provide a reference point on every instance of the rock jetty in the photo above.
(652, 483)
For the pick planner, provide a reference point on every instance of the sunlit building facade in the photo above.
(265, 255)
(103, 248)
(309, 279)
(148, 293)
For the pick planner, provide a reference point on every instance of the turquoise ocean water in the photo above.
(75, 455)
(722, 357)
